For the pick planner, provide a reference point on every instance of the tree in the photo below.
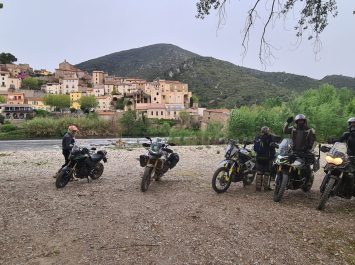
(7, 58)
(1, 5)
(2, 99)
(88, 102)
(31, 83)
(57, 101)
(313, 18)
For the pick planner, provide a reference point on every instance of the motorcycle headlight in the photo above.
(334, 160)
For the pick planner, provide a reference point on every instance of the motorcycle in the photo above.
(291, 170)
(83, 163)
(159, 160)
(339, 166)
(238, 165)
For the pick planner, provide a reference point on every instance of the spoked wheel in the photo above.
(326, 194)
(62, 179)
(280, 186)
(221, 180)
(146, 178)
(97, 171)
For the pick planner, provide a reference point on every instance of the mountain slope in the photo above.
(224, 83)
(146, 62)
(217, 83)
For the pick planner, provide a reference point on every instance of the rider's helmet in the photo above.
(265, 130)
(73, 129)
(300, 117)
(351, 124)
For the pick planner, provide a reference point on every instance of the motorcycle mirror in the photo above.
(147, 137)
(93, 148)
(145, 144)
(171, 144)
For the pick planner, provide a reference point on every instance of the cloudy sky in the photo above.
(44, 33)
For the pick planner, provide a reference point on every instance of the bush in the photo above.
(8, 128)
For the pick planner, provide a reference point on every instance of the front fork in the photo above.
(326, 180)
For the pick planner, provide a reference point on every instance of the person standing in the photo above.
(264, 147)
(303, 139)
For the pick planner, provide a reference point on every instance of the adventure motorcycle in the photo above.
(159, 160)
(292, 168)
(339, 167)
(238, 165)
(83, 163)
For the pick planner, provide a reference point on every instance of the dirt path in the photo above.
(180, 220)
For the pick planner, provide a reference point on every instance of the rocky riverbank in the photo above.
(179, 220)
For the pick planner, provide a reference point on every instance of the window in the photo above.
(152, 113)
(162, 113)
(157, 113)
(67, 86)
(157, 93)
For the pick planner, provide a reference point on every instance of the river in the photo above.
(55, 144)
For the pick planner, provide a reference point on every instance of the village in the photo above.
(159, 99)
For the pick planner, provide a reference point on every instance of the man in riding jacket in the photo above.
(68, 142)
(303, 139)
(264, 146)
(348, 138)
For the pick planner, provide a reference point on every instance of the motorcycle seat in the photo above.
(96, 157)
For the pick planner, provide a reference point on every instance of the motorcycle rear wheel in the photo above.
(97, 171)
(146, 178)
(326, 194)
(62, 179)
(221, 183)
(280, 187)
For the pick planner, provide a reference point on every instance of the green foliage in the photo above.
(326, 109)
(2, 119)
(131, 126)
(8, 128)
(31, 83)
(2, 99)
(58, 101)
(120, 104)
(88, 102)
(49, 127)
(42, 113)
(6, 58)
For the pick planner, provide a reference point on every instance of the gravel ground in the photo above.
(179, 220)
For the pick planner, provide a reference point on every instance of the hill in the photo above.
(217, 83)
(147, 62)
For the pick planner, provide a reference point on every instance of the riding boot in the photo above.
(266, 183)
(258, 182)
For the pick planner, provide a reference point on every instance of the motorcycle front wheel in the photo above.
(280, 186)
(326, 194)
(97, 171)
(221, 180)
(146, 178)
(62, 179)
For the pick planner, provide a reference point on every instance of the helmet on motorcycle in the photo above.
(265, 130)
(300, 117)
(351, 124)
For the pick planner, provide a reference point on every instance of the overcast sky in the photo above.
(44, 33)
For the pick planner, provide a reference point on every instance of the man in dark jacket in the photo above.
(348, 138)
(68, 142)
(264, 146)
(303, 139)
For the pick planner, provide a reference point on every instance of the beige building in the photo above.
(104, 102)
(66, 70)
(98, 77)
(70, 85)
(98, 90)
(216, 115)
(52, 88)
(37, 103)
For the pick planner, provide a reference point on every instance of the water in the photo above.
(56, 144)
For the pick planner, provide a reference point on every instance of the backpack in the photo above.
(261, 148)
